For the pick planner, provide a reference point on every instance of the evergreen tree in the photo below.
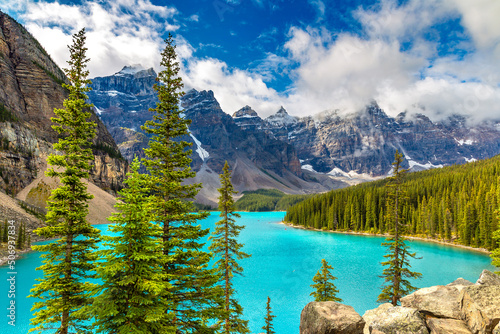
(397, 271)
(189, 286)
(131, 272)
(325, 289)
(226, 247)
(28, 242)
(268, 327)
(1, 233)
(64, 290)
(495, 254)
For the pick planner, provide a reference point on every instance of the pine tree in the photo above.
(325, 290)
(1, 233)
(397, 271)
(130, 271)
(495, 254)
(268, 327)
(64, 290)
(189, 286)
(226, 247)
(28, 242)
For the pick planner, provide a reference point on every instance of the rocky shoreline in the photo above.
(460, 307)
(480, 250)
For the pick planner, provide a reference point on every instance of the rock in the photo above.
(460, 281)
(399, 320)
(488, 278)
(371, 315)
(437, 301)
(497, 329)
(447, 326)
(480, 307)
(330, 318)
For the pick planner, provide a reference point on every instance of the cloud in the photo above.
(394, 63)
(119, 33)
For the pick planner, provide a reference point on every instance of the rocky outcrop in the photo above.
(330, 318)
(457, 308)
(480, 307)
(437, 301)
(399, 320)
(30, 89)
(447, 326)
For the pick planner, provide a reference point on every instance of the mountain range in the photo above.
(296, 155)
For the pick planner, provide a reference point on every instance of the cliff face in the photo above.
(30, 89)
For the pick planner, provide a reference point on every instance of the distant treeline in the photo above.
(267, 200)
(457, 203)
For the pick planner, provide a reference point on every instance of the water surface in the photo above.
(283, 263)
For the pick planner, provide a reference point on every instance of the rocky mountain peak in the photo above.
(137, 71)
(201, 102)
(281, 118)
(246, 111)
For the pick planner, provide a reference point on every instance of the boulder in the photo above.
(437, 301)
(488, 278)
(480, 307)
(447, 326)
(371, 315)
(330, 318)
(497, 329)
(399, 320)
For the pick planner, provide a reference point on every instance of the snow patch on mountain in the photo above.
(281, 118)
(428, 165)
(200, 150)
(97, 110)
(308, 167)
(471, 159)
(130, 70)
(464, 142)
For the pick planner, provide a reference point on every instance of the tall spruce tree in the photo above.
(69, 261)
(325, 290)
(189, 286)
(268, 319)
(398, 258)
(131, 272)
(495, 254)
(226, 247)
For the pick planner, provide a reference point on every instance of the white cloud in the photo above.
(119, 33)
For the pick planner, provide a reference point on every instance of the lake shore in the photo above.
(479, 250)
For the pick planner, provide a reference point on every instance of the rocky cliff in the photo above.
(30, 89)
(460, 307)
(365, 142)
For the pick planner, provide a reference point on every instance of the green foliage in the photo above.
(20, 237)
(397, 270)
(131, 272)
(268, 319)
(64, 292)
(226, 248)
(111, 151)
(325, 290)
(5, 236)
(188, 290)
(6, 116)
(455, 204)
(267, 200)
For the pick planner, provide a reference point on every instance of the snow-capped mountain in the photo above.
(285, 152)
(365, 142)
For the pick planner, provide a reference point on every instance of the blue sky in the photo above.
(432, 56)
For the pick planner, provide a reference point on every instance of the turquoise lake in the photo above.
(283, 263)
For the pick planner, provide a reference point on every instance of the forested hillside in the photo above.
(457, 203)
(267, 200)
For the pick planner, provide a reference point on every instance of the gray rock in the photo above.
(330, 318)
(447, 326)
(371, 315)
(488, 278)
(399, 320)
(497, 329)
(438, 301)
(480, 307)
